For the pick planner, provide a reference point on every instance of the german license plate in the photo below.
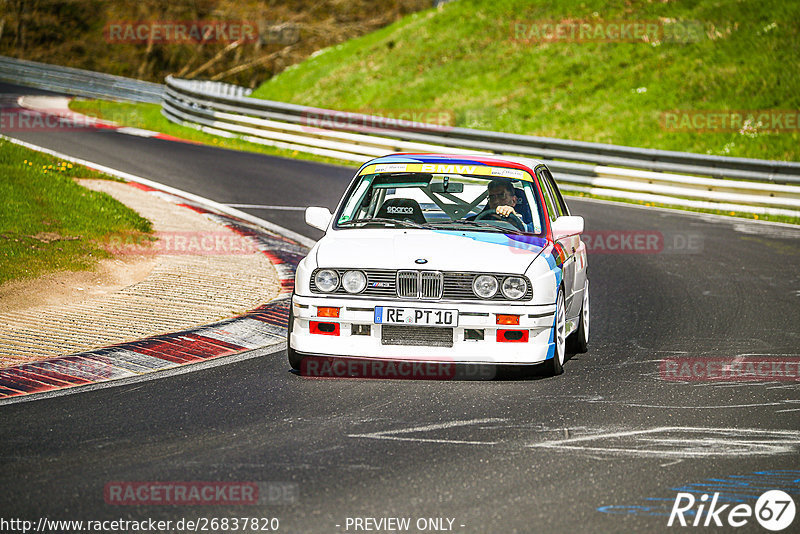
(415, 316)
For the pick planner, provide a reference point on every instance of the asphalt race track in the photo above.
(606, 447)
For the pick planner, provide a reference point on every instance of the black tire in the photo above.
(555, 365)
(295, 359)
(578, 342)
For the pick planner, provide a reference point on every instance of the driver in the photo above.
(501, 203)
(502, 198)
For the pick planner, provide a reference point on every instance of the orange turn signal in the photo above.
(508, 319)
(327, 312)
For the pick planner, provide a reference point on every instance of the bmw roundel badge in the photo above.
(421, 261)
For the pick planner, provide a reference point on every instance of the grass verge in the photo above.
(482, 63)
(50, 223)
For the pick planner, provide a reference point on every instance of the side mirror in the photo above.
(567, 225)
(319, 218)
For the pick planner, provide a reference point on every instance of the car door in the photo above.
(578, 250)
(556, 208)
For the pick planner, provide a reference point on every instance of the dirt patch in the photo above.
(72, 287)
(49, 237)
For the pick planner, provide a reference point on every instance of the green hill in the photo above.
(480, 63)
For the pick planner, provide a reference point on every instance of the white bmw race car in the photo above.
(444, 258)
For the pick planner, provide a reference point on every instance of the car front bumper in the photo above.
(355, 334)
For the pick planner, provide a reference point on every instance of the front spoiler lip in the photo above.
(432, 361)
(537, 318)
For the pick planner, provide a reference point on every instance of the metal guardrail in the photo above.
(78, 82)
(677, 178)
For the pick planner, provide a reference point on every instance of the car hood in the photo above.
(444, 250)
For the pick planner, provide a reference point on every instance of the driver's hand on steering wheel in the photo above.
(505, 211)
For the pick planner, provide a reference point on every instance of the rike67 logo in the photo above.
(774, 510)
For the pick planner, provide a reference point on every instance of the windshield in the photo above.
(444, 201)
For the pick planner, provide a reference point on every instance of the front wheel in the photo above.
(555, 365)
(294, 358)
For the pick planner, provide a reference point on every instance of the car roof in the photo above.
(460, 159)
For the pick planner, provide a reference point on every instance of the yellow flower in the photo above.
(755, 215)
(733, 213)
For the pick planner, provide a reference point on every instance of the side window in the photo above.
(548, 196)
(561, 206)
(532, 208)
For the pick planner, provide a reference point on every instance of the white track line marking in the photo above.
(731, 442)
(711, 442)
(635, 405)
(391, 434)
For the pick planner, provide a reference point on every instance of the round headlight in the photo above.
(514, 287)
(354, 281)
(485, 286)
(326, 280)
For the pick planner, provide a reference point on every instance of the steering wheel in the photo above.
(493, 215)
